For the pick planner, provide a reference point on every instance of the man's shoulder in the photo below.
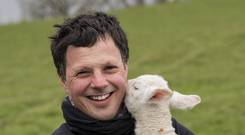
(62, 130)
(180, 129)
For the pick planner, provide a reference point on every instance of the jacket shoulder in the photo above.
(180, 129)
(62, 130)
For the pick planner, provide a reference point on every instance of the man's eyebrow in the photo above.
(112, 63)
(79, 68)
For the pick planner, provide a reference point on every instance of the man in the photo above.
(90, 53)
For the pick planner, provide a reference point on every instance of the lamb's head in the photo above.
(154, 90)
(147, 89)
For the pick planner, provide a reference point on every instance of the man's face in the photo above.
(96, 78)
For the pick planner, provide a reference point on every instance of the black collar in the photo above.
(81, 124)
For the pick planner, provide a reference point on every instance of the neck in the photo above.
(155, 121)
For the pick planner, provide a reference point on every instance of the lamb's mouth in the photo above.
(100, 97)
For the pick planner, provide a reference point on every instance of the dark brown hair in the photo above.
(83, 31)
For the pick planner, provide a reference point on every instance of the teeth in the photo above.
(100, 97)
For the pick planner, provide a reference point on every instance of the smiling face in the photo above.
(96, 78)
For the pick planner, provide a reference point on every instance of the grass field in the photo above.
(197, 45)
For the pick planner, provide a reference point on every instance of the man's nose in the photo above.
(99, 81)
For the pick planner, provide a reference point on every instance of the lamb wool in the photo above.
(149, 99)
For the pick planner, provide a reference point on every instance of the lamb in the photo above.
(149, 99)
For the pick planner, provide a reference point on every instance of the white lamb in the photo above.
(149, 100)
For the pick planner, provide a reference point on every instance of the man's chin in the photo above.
(105, 117)
(107, 113)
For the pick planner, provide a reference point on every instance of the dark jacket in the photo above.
(78, 123)
(179, 129)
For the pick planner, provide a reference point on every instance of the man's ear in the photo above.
(125, 66)
(63, 83)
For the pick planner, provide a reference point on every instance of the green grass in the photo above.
(197, 45)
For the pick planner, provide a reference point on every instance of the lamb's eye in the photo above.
(136, 88)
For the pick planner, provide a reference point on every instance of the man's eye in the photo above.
(83, 73)
(111, 68)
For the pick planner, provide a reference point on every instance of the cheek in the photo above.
(77, 87)
(119, 81)
(119, 78)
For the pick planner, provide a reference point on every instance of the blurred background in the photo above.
(197, 45)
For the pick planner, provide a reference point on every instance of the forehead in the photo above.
(103, 50)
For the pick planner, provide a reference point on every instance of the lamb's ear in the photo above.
(184, 102)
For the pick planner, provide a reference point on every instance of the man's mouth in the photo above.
(100, 97)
